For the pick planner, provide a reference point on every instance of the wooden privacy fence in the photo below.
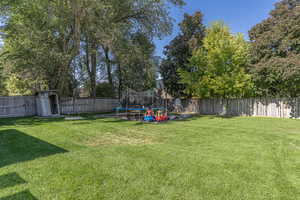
(21, 106)
(264, 107)
(17, 106)
(75, 106)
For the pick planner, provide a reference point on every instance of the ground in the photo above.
(201, 158)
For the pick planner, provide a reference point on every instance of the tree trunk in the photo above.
(91, 64)
(120, 88)
(108, 66)
(93, 69)
(77, 25)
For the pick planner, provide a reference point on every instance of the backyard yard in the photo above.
(200, 158)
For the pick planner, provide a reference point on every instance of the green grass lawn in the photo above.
(202, 158)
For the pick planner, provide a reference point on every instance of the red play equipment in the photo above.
(160, 116)
(149, 112)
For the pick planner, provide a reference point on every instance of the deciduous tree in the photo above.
(218, 68)
(179, 51)
(275, 52)
(45, 40)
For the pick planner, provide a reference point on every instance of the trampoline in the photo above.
(133, 105)
(136, 112)
(129, 109)
(119, 109)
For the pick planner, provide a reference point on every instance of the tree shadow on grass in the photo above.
(28, 121)
(18, 147)
(10, 180)
(25, 195)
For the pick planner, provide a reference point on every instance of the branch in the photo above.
(131, 16)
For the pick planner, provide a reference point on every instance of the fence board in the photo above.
(21, 106)
(17, 106)
(262, 107)
(76, 106)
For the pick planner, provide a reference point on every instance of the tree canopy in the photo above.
(218, 68)
(275, 51)
(179, 51)
(52, 43)
(89, 45)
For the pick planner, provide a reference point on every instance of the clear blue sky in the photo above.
(240, 15)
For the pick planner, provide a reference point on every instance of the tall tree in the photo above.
(139, 68)
(44, 39)
(275, 51)
(41, 39)
(179, 51)
(218, 68)
(150, 18)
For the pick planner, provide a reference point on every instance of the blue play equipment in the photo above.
(149, 118)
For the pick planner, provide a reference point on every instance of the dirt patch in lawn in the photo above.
(120, 140)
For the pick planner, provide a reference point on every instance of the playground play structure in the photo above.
(138, 112)
(146, 106)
